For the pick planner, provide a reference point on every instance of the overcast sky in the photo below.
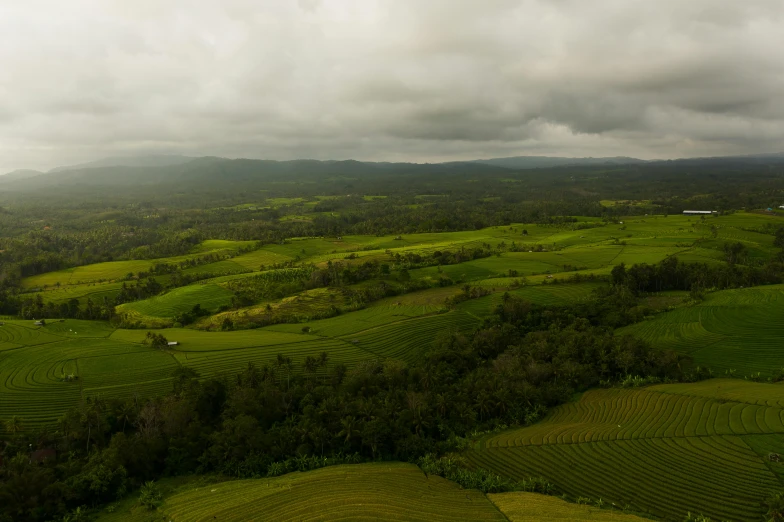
(412, 80)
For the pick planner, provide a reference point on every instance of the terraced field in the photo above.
(406, 340)
(560, 294)
(371, 317)
(664, 450)
(254, 260)
(114, 363)
(738, 330)
(730, 330)
(532, 507)
(382, 491)
(32, 375)
(96, 292)
(180, 300)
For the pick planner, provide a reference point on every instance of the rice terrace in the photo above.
(312, 277)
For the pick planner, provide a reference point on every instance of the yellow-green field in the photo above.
(568, 249)
(663, 450)
(379, 491)
(532, 507)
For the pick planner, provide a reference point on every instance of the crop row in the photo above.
(33, 384)
(384, 491)
(719, 476)
(359, 320)
(736, 390)
(602, 415)
(182, 300)
(539, 294)
(733, 329)
(408, 339)
(519, 506)
(232, 361)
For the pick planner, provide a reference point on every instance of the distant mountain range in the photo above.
(129, 171)
(129, 161)
(121, 161)
(534, 162)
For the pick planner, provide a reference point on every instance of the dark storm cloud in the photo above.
(389, 80)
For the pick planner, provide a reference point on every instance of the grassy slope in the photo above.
(664, 450)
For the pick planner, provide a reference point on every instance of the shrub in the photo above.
(149, 495)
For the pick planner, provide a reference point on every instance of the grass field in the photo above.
(381, 491)
(730, 330)
(664, 450)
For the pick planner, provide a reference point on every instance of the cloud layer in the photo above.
(388, 80)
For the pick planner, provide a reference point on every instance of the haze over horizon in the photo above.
(388, 81)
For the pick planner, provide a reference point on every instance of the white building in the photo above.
(692, 212)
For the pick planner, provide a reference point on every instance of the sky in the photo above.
(388, 80)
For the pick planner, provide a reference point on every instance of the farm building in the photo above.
(39, 323)
(781, 206)
(697, 212)
(172, 343)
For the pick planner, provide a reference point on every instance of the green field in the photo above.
(532, 507)
(560, 294)
(379, 491)
(180, 300)
(594, 250)
(115, 363)
(664, 450)
(737, 330)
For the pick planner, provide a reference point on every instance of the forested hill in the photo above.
(584, 174)
(208, 171)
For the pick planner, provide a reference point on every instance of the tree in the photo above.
(14, 425)
(156, 340)
(734, 252)
(779, 238)
(350, 427)
(149, 495)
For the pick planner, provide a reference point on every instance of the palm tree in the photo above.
(484, 404)
(319, 435)
(322, 361)
(310, 365)
(126, 412)
(442, 403)
(284, 363)
(14, 425)
(350, 428)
